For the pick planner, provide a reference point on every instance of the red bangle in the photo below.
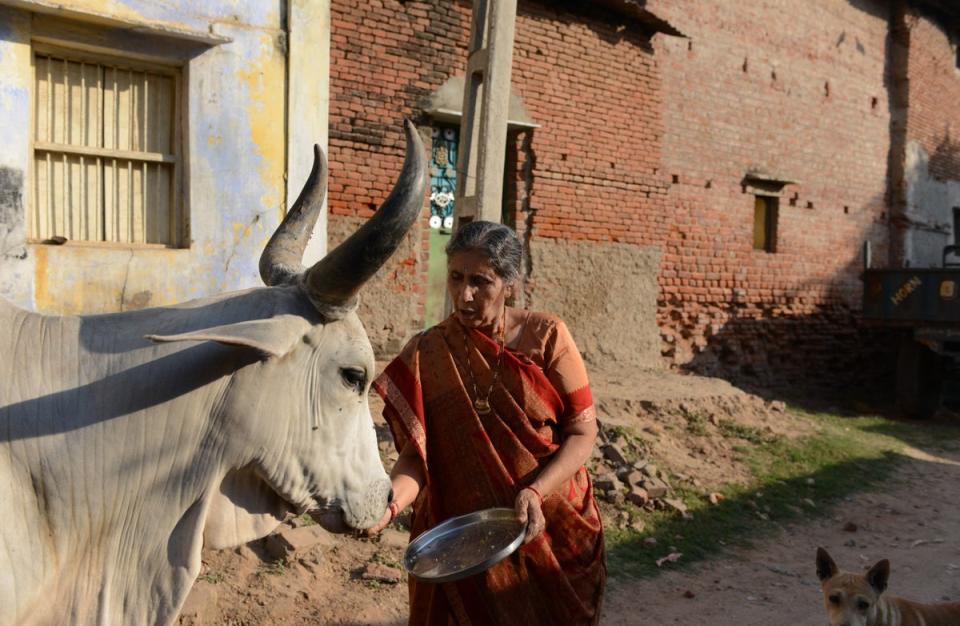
(534, 490)
(394, 510)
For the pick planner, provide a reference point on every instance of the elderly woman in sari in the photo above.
(492, 408)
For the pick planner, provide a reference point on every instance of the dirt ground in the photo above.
(775, 582)
(351, 581)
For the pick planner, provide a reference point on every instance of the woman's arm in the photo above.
(578, 441)
(407, 479)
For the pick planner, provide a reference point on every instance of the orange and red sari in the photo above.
(475, 461)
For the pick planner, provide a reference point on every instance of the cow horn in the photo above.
(333, 282)
(282, 259)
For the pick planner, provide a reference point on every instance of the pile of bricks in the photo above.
(619, 480)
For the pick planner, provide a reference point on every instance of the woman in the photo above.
(492, 408)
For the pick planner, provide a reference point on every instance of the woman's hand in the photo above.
(373, 530)
(529, 509)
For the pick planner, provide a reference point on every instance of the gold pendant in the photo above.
(482, 405)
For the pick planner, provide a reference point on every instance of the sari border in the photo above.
(589, 414)
(394, 399)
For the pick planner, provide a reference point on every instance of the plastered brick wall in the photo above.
(595, 211)
(795, 90)
(933, 113)
(925, 172)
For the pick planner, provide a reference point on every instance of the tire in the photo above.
(919, 379)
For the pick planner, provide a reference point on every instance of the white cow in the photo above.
(129, 441)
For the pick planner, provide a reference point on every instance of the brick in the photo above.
(287, 542)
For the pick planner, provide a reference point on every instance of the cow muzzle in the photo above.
(356, 512)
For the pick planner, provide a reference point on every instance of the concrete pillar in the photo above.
(486, 102)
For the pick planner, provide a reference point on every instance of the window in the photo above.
(106, 150)
(765, 210)
(443, 176)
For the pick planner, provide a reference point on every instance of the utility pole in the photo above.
(486, 100)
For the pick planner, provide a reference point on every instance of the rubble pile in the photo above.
(621, 476)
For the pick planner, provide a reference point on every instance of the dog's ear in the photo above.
(826, 568)
(878, 576)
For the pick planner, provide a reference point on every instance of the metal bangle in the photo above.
(534, 490)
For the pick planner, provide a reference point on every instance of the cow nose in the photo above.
(390, 496)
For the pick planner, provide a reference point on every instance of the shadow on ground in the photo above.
(786, 359)
(745, 516)
(849, 454)
(940, 433)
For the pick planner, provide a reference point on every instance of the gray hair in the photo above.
(498, 242)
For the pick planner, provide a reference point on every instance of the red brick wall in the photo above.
(797, 90)
(386, 57)
(591, 81)
(933, 114)
(647, 143)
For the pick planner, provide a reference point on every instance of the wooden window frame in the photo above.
(177, 158)
(771, 210)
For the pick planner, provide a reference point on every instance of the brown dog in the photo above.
(858, 599)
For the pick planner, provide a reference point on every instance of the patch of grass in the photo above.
(304, 519)
(844, 455)
(380, 557)
(735, 430)
(696, 424)
(617, 431)
(214, 578)
(273, 568)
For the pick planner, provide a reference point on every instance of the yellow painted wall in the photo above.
(234, 139)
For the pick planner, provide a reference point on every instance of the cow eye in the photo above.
(354, 377)
(863, 605)
(834, 599)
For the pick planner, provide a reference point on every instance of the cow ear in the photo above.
(272, 337)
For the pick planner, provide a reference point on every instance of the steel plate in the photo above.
(464, 546)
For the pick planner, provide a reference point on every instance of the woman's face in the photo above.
(478, 293)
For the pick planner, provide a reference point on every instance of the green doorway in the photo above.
(434, 311)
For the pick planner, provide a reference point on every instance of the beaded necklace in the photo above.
(482, 403)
